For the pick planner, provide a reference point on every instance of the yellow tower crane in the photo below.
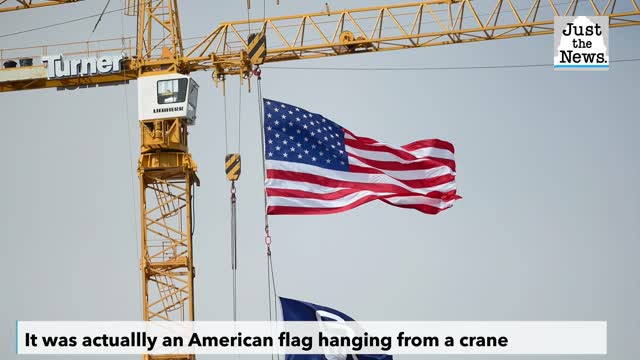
(167, 95)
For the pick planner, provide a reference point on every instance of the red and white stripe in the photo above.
(420, 176)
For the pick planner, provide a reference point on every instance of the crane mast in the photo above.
(167, 175)
(158, 39)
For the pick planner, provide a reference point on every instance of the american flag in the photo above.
(315, 166)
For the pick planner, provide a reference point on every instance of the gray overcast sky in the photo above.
(548, 228)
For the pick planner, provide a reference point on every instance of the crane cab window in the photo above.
(193, 97)
(172, 91)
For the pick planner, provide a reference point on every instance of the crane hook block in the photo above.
(257, 48)
(232, 166)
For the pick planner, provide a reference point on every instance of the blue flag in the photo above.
(294, 310)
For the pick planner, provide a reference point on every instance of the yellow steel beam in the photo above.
(68, 83)
(334, 33)
(13, 5)
(394, 27)
(158, 36)
(166, 181)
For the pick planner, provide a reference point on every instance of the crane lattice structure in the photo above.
(323, 34)
(12, 5)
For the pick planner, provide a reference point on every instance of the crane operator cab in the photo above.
(167, 96)
(166, 107)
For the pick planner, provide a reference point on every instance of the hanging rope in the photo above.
(100, 18)
(273, 283)
(258, 73)
(125, 99)
(226, 127)
(249, 15)
(232, 170)
(234, 250)
(271, 280)
(239, 115)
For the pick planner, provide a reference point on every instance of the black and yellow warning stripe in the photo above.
(257, 47)
(232, 166)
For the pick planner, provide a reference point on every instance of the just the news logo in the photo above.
(581, 43)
